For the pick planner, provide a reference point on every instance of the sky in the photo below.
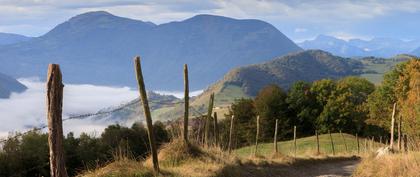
(297, 19)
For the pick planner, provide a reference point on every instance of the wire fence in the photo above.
(102, 113)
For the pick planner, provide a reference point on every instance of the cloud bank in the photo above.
(28, 109)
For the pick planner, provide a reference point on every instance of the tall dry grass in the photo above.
(395, 165)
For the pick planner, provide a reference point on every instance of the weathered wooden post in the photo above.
(276, 150)
(216, 129)
(294, 139)
(399, 133)
(257, 135)
(186, 104)
(317, 142)
(55, 124)
(344, 141)
(146, 110)
(332, 143)
(366, 146)
(391, 141)
(208, 120)
(231, 133)
(358, 144)
(380, 141)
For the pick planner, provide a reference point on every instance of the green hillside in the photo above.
(307, 146)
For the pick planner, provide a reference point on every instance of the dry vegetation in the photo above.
(178, 159)
(396, 165)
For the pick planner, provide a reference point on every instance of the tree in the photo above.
(270, 104)
(245, 117)
(344, 109)
(303, 105)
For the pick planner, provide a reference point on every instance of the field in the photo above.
(307, 146)
(374, 69)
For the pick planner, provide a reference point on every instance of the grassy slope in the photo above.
(396, 165)
(379, 68)
(307, 146)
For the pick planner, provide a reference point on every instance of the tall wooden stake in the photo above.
(294, 140)
(186, 104)
(276, 150)
(231, 133)
(257, 135)
(391, 141)
(317, 142)
(332, 143)
(55, 124)
(358, 144)
(146, 110)
(208, 120)
(216, 129)
(399, 133)
(344, 140)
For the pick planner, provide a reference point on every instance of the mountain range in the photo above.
(8, 38)
(246, 81)
(98, 48)
(378, 47)
(9, 85)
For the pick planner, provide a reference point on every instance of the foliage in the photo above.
(270, 104)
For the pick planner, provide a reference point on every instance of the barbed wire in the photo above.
(101, 113)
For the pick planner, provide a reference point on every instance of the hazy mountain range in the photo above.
(246, 81)
(9, 85)
(378, 47)
(8, 38)
(98, 48)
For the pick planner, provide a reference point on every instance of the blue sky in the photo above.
(299, 19)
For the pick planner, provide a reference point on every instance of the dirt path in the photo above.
(335, 167)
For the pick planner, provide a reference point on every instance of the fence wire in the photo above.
(101, 113)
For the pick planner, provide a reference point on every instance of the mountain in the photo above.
(246, 81)
(333, 45)
(98, 48)
(378, 47)
(9, 85)
(416, 52)
(7, 38)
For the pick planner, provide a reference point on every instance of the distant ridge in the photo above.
(98, 47)
(9, 85)
(8, 38)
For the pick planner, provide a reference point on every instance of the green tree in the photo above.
(245, 117)
(271, 104)
(345, 107)
(303, 106)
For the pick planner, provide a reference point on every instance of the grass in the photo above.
(306, 146)
(395, 165)
(178, 159)
(379, 68)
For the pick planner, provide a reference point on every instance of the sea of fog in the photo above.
(23, 111)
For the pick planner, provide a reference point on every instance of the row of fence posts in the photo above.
(55, 127)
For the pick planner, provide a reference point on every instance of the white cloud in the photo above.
(41, 15)
(28, 109)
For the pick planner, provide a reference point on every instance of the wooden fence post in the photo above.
(276, 150)
(294, 139)
(186, 103)
(344, 140)
(317, 142)
(399, 133)
(358, 144)
(332, 143)
(231, 133)
(55, 124)
(391, 141)
(208, 120)
(257, 135)
(380, 141)
(216, 130)
(146, 110)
